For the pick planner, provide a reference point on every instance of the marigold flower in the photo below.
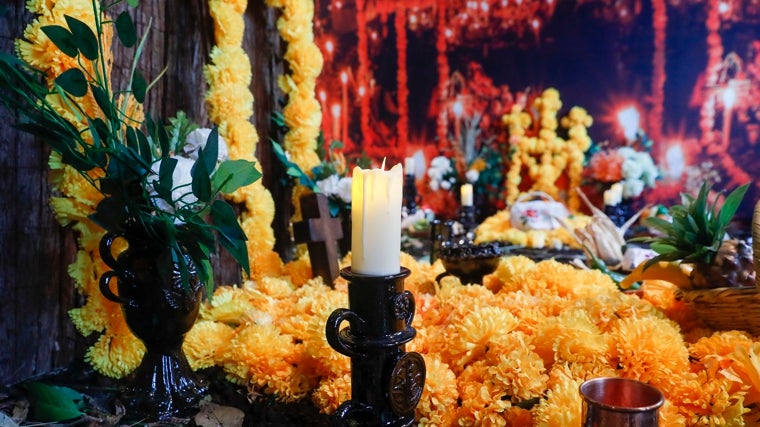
(331, 393)
(203, 341)
(116, 353)
(652, 358)
(439, 395)
(562, 406)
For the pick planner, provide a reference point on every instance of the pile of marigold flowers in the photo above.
(511, 352)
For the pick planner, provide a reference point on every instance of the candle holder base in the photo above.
(386, 381)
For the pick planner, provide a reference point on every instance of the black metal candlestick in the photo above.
(386, 381)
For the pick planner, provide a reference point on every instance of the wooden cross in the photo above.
(321, 233)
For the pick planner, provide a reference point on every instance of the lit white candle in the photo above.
(409, 166)
(466, 194)
(376, 220)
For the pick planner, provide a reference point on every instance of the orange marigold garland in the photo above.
(230, 103)
(303, 113)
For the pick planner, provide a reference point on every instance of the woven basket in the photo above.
(731, 308)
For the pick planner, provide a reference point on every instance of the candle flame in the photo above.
(382, 167)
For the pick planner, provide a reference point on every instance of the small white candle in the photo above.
(609, 198)
(466, 194)
(617, 190)
(376, 221)
(409, 166)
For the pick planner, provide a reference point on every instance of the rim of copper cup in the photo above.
(654, 391)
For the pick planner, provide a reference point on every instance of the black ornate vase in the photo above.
(159, 312)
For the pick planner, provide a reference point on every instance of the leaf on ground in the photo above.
(53, 403)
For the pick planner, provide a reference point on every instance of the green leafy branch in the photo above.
(116, 154)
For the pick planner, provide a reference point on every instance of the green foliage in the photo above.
(54, 403)
(697, 228)
(118, 155)
(180, 128)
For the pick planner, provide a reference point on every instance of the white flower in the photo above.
(435, 174)
(441, 162)
(197, 139)
(439, 167)
(472, 175)
(632, 188)
(329, 185)
(344, 189)
(631, 169)
(182, 191)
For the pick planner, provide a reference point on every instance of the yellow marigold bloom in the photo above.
(244, 137)
(274, 287)
(706, 401)
(231, 304)
(229, 66)
(562, 371)
(607, 309)
(299, 270)
(238, 6)
(331, 393)
(481, 404)
(746, 369)
(89, 318)
(570, 337)
(652, 358)
(670, 417)
(517, 417)
(562, 406)
(305, 59)
(713, 353)
(439, 395)
(468, 338)
(294, 8)
(82, 263)
(229, 100)
(518, 371)
(422, 277)
(115, 354)
(662, 294)
(203, 341)
(228, 23)
(322, 358)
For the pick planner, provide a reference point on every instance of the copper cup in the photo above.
(620, 402)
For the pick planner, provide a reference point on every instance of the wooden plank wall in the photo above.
(36, 335)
